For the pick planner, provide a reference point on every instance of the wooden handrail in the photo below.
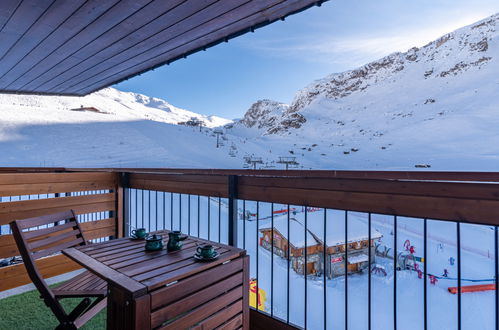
(352, 174)
(473, 201)
(357, 174)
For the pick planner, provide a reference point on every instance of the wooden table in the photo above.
(169, 290)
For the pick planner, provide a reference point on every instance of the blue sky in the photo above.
(279, 59)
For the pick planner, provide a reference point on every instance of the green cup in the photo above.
(139, 233)
(206, 251)
(154, 243)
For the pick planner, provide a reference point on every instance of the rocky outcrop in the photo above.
(272, 117)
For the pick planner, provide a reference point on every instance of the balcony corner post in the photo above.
(232, 183)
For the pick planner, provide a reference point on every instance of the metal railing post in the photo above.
(124, 183)
(232, 182)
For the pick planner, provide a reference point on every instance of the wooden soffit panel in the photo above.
(75, 47)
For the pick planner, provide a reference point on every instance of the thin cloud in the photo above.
(355, 50)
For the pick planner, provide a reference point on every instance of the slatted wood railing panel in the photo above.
(471, 209)
(94, 196)
(15, 275)
(10, 211)
(206, 185)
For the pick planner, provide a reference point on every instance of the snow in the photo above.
(355, 259)
(296, 229)
(477, 243)
(396, 114)
(435, 105)
(357, 231)
(130, 132)
(115, 105)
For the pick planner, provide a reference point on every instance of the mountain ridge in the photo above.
(471, 41)
(111, 101)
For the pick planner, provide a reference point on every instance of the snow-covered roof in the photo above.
(335, 229)
(296, 229)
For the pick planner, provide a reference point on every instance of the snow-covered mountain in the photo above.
(116, 104)
(439, 63)
(435, 105)
(106, 128)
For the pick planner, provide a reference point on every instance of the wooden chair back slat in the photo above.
(44, 220)
(47, 232)
(46, 241)
(58, 248)
(61, 236)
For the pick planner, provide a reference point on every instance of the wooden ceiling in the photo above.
(75, 47)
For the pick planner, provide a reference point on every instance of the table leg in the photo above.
(246, 316)
(125, 312)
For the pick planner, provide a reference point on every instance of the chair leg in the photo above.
(96, 307)
(82, 306)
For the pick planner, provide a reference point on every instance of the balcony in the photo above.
(358, 250)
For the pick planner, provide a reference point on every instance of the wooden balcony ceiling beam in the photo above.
(80, 46)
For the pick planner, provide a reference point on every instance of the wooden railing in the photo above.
(464, 197)
(449, 196)
(94, 196)
(460, 197)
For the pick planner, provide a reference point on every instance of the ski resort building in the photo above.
(296, 244)
(359, 248)
(90, 109)
(312, 239)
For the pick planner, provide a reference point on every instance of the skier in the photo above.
(411, 249)
(420, 274)
(433, 280)
(446, 273)
(451, 261)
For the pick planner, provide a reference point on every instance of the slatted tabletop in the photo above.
(125, 262)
